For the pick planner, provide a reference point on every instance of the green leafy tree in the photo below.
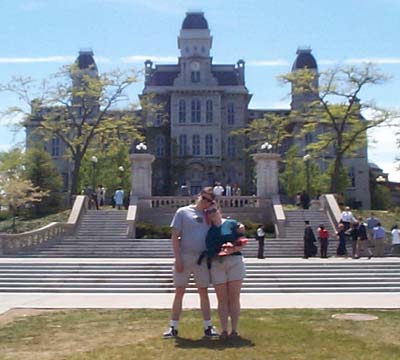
(272, 128)
(294, 176)
(16, 193)
(335, 113)
(41, 171)
(78, 112)
(113, 168)
(12, 162)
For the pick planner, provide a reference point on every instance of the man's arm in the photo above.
(176, 248)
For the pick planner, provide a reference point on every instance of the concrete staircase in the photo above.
(141, 277)
(102, 234)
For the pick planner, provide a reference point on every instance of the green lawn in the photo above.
(136, 334)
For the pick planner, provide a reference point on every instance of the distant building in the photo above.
(200, 104)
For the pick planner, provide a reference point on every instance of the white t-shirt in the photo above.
(395, 237)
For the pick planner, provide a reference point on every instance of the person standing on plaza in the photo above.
(372, 221)
(362, 239)
(309, 240)
(379, 240)
(341, 235)
(395, 241)
(260, 237)
(305, 200)
(189, 229)
(119, 198)
(323, 236)
(354, 239)
(101, 195)
(227, 267)
(347, 218)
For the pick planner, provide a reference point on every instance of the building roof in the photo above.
(195, 20)
(226, 77)
(304, 60)
(85, 60)
(163, 78)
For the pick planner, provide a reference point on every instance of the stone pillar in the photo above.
(267, 174)
(141, 176)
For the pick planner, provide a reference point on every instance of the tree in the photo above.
(335, 115)
(294, 177)
(12, 162)
(272, 129)
(41, 171)
(112, 168)
(75, 106)
(16, 192)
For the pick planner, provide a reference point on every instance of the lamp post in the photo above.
(380, 179)
(266, 146)
(121, 170)
(94, 160)
(306, 159)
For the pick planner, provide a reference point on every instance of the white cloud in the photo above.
(275, 62)
(383, 150)
(375, 60)
(25, 60)
(359, 61)
(143, 58)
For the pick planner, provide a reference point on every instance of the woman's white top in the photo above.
(395, 237)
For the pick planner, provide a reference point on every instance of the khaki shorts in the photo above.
(227, 268)
(201, 274)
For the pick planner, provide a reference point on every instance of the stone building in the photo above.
(199, 104)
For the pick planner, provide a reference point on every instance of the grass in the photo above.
(136, 334)
(26, 224)
(387, 218)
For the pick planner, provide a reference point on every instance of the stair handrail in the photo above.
(331, 206)
(131, 219)
(12, 243)
(81, 204)
(279, 217)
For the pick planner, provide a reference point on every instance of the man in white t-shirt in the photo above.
(189, 229)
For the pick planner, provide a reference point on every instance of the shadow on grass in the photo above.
(212, 343)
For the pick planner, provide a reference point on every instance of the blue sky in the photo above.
(39, 36)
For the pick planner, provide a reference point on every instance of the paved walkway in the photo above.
(163, 301)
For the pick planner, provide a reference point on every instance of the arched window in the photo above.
(160, 146)
(196, 145)
(231, 147)
(209, 111)
(55, 146)
(196, 111)
(182, 145)
(209, 144)
(182, 111)
(231, 114)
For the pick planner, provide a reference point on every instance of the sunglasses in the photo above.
(212, 211)
(207, 199)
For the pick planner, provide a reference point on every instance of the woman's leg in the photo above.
(223, 311)
(234, 288)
